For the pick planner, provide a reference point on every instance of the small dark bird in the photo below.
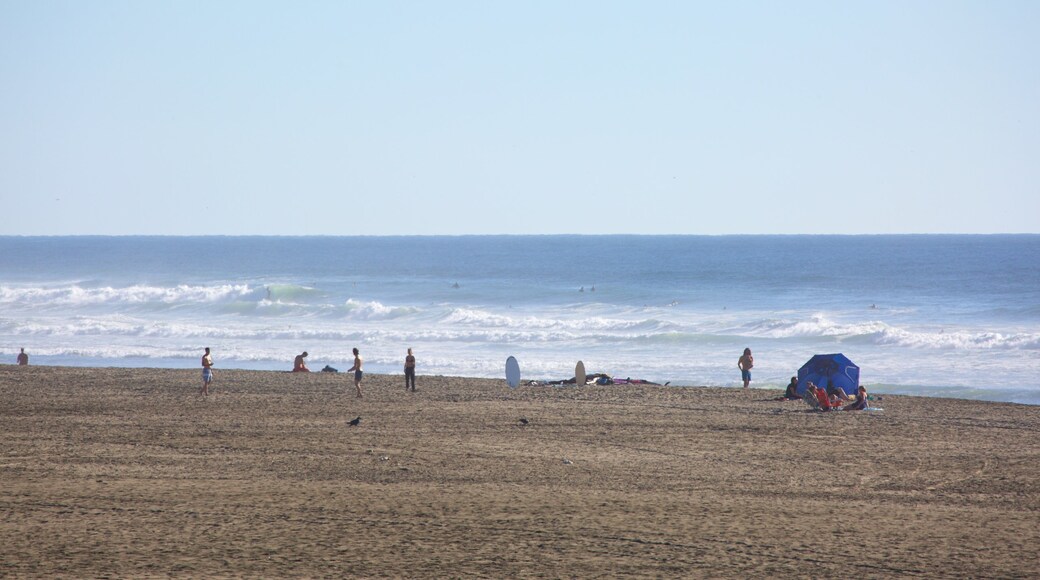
(355, 421)
(524, 421)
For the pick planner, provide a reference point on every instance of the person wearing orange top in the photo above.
(824, 399)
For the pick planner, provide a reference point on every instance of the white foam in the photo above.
(959, 340)
(373, 310)
(76, 295)
(881, 333)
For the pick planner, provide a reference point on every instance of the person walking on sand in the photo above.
(409, 371)
(358, 372)
(299, 366)
(207, 372)
(745, 363)
(23, 359)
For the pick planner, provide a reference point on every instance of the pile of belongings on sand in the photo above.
(591, 379)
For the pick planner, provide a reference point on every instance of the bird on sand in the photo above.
(524, 421)
(355, 421)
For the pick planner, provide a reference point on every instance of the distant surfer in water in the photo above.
(207, 372)
(745, 363)
(299, 366)
(358, 372)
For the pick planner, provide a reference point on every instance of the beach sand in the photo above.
(129, 473)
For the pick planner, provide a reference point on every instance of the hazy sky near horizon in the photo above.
(450, 117)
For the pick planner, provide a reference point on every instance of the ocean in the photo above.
(934, 315)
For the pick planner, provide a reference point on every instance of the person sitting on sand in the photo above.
(861, 400)
(837, 393)
(23, 359)
(824, 399)
(298, 365)
(810, 396)
(791, 394)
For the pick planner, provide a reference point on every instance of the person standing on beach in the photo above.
(207, 372)
(409, 370)
(23, 359)
(358, 372)
(745, 363)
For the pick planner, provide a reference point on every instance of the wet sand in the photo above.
(130, 473)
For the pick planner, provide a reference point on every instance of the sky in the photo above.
(454, 118)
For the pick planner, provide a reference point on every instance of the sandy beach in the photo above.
(129, 473)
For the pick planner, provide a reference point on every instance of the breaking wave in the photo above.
(883, 334)
(75, 295)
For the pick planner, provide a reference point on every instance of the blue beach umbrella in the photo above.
(829, 370)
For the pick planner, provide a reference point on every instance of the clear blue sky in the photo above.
(445, 117)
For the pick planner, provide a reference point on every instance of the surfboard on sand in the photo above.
(579, 374)
(512, 372)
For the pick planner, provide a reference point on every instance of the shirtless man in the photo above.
(298, 365)
(744, 363)
(23, 359)
(207, 372)
(358, 372)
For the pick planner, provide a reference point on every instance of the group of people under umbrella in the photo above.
(827, 382)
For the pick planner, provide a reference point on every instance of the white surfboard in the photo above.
(579, 374)
(512, 372)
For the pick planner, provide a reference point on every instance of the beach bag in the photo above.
(329, 369)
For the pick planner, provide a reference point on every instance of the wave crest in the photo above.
(376, 310)
(76, 295)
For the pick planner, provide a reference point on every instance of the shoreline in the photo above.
(990, 395)
(127, 472)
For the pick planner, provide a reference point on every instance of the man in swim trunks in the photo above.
(358, 372)
(23, 359)
(207, 372)
(298, 365)
(744, 363)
